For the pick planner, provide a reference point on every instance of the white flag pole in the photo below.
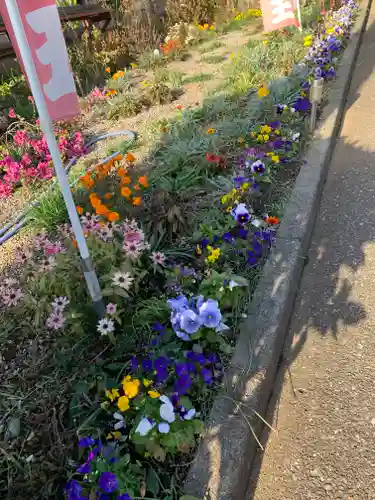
(47, 127)
(299, 17)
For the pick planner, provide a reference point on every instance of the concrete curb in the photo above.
(223, 463)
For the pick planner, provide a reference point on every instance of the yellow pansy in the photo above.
(130, 387)
(265, 129)
(275, 158)
(214, 254)
(260, 137)
(112, 394)
(263, 92)
(146, 382)
(114, 435)
(154, 394)
(277, 132)
(123, 403)
(241, 140)
(266, 137)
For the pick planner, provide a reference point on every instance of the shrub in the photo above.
(124, 105)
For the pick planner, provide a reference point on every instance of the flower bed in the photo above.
(177, 249)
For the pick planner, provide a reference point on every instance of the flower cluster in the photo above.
(56, 319)
(28, 159)
(10, 293)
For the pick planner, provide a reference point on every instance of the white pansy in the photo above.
(190, 414)
(144, 427)
(164, 428)
(167, 410)
(120, 424)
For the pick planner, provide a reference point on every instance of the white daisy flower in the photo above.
(60, 303)
(105, 326)
(123, 280)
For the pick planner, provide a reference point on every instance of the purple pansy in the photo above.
(190, 322)
(108, 482)
(210, 314)
(86, 442)
(183, 385)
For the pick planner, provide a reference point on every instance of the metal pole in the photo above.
(316, 94)
(299, 17)
(47, 127)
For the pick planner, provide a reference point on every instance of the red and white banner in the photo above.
(278, 14)
(41, 22)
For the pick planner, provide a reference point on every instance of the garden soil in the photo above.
(324, 420)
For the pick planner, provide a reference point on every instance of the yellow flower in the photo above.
(211, 131)
(123, 403)
(266, 137)
(275, 158)
(260, 137)
(265, 42)
(198, 249)
(114, 435)
(245, 186)
(308, 40)
(252, 134)
(112, 394)
(263, 92)
(266, 129)
(214, 254)
(277, 132)
(146, 382)
(212, 27)
(224, 199)
(154, 394)
(133, 65)
(130, 387)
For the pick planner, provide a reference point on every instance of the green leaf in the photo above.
(152, 481)
(188, 497)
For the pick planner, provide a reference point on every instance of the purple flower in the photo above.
(181, 369)
(108, 482)
(85, 468)
(206, 375)
(241, 213)
(205, 242)
(212, 357)
(147, 364)
(228, 237)
(274, 124)
(190, 321)
(303, 105)
(86, 442)
(183, 385)
(178, 303)
(161, 363)
(161, 376)
(73, 490)
(254, 255)
(242, 233)
(134, 363)
(258, 167)
(210, 314)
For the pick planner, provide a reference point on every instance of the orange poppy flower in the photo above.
(79, 210)
(87, 181)
(108, 69)
(130, 157)
(137, 201)
(101, 209)
(118, 157)
(113, 216)
(272, 220)
(126, 179)
(94, 200)
(108, 196)
(121, 171)
(126, 192)
(143, 181)
(75, 244)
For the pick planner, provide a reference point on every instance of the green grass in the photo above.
(212, 46)
(174, 78)
(213, 59)
(200, 77)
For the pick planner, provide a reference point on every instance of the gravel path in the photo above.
(325, 418)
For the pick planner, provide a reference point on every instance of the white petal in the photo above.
(119, 425)
(118, 416)
(190, 414)
(256, 222)
(167, 413)
(222, 328)
(165, 399)
(164, 428)
(144, 427)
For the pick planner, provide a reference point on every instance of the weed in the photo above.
(214, 59)
(174, 78)
(200, 77)
(212, 46)
(124, 105)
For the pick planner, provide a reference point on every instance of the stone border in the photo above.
(222, 468)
